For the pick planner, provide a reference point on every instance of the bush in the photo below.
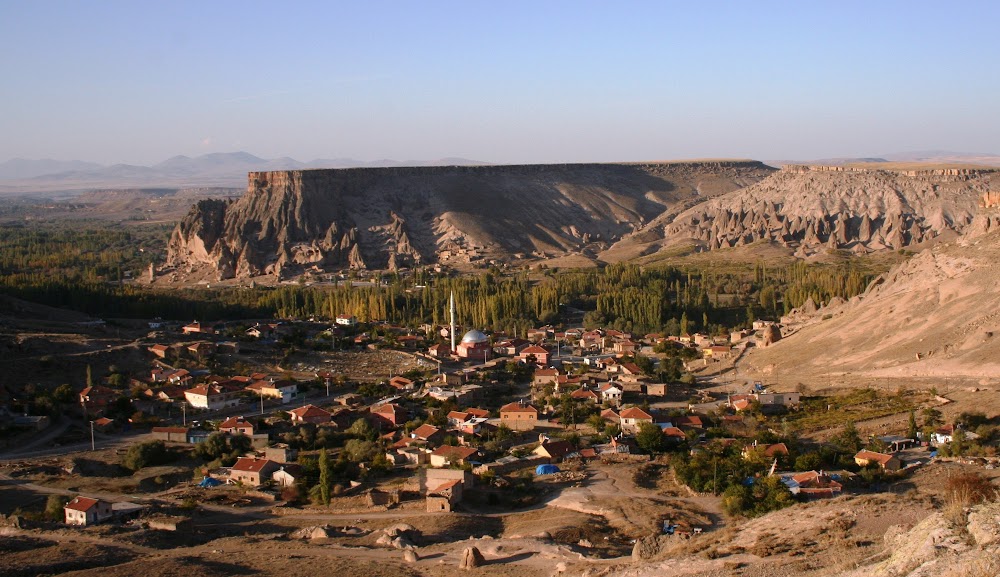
(148, 454)
(54, 507)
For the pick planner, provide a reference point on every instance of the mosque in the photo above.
(474, 346)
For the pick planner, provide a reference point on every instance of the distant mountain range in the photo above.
(229, 169)
(930, 156)
(223, 169)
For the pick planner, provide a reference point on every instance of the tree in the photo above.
(324, 477)
(932, 418)
(145, 454)
(90, 378)
(362, 429)
(650, 438)
(54, 507)
(849, 440)
(911, 428)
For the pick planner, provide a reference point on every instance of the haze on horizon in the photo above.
(518, 82)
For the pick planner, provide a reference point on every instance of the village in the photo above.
(460, 423)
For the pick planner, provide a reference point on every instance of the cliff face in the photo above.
(390, 217)
(809, 208)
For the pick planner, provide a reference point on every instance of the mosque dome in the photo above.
(475, 337)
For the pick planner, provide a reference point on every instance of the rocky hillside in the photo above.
(937, 315)
(810, 208)
(390, 217)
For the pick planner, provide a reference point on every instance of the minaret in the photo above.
(453, 322)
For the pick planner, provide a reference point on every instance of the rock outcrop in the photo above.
(812, 208)
(385, 218)
(471, 558)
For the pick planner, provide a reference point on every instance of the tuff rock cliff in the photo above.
(810, 208)
(385, 218)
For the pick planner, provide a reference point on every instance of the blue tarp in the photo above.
(546, 469)
(209, 482)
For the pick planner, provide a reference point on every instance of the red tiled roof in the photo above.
(534, 350)
(309, 411)
(424, 431)
(873, 456)
(81, 504)
(250, 464)
(636, 413)
(477, 412)
(516, 407)
(454, 453)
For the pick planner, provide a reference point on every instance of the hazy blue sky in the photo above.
(139, 81)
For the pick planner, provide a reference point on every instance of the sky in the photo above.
(505, 82)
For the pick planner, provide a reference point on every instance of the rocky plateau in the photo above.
(289, 222)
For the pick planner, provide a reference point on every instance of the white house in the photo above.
(87, 511)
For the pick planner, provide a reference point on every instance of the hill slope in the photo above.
(936, 316)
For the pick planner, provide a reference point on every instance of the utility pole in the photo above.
(93, 445)
(184, 413)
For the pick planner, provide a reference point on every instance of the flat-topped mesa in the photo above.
(385, 218)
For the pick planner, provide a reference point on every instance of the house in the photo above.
(444, 497)
(103, 424)
(252, 471)
(346, 320)
(389, 415)
(633, 417)
(790, 399)
(688, 422)
(540, 355)
(586, 395)
(545, 376)
(656, 389)
(160, 351)
(885, 462)
(625, 347)
(201, 349)
(446, 456)
(771, 451)
(196, 328)
(511, 347)
(674, 435)
(96, 398)
(519, 416)
(611, 393)
(456, 418)
(812, 485)
(401, 383)
(283, 389)
(427, 433)
(555, 450)
(611, 416)
(310, 414)
(236, 426)
(85, 511)
(946, 434)
(212, 397)
(280, 453)
(287, 475)
(718, 352)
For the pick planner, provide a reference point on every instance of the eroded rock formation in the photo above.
(809, 208)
